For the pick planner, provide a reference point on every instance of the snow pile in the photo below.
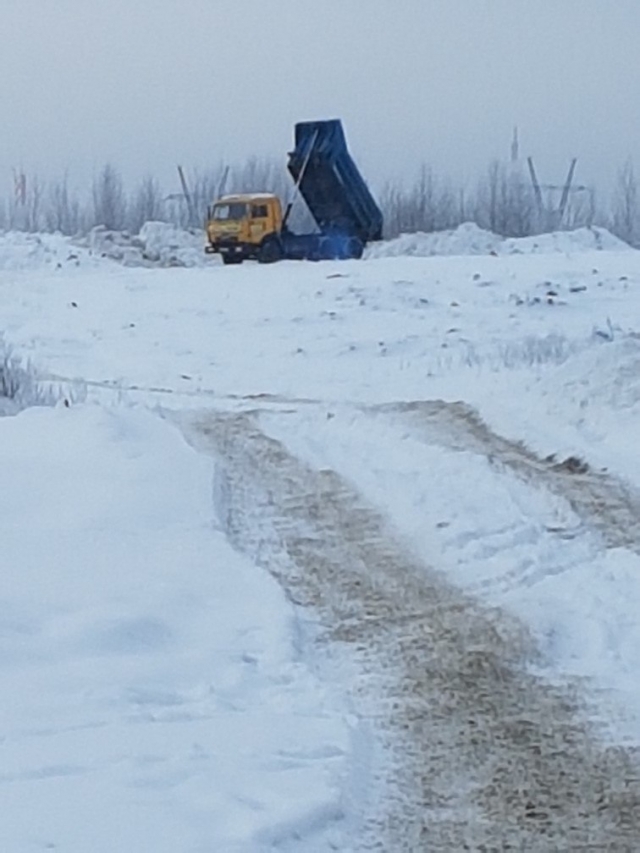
(469, 239)
(20, 250)
(588, 405)
(466, 239)
(154, 699)
(159, 244)
(169, 246)
(580, 240)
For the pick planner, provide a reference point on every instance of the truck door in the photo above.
(259, 222)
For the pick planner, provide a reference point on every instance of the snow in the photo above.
(469, 239)
(154, 697)
(157, 244)
(21, 251)
(161, 678)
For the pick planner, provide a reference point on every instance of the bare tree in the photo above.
(432, 204)
(24, 211)
(62, 212)
(146, 204)
(109, 201)
(487, 209)
(625, 205)
(260, 175)
(504, 202)
(205, 188)
(423, 203)
(33, 221)
(518, 203)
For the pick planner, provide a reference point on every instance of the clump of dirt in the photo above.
(572, 465)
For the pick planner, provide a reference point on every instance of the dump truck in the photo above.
(255, 226)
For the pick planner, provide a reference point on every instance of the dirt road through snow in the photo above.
(472, 751)
(600, 500)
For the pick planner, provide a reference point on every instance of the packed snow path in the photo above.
(600, 501)
(473, 751)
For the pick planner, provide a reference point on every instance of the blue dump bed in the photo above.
(333, 188)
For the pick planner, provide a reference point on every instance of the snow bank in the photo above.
(23, 251)
(580, 240)
(160, 244)
(469, 239)
(154, 699)
(587, 405)
(157, 244)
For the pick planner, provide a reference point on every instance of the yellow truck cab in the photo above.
(245, 226)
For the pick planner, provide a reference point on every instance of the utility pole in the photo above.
(223, 182)
(549, 215)
(515, 147)
(566, 190)
(187, 196)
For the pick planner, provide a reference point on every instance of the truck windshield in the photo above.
(234, 210)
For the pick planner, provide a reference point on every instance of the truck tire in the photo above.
(354, 248)
(327, 250)
(270, 251)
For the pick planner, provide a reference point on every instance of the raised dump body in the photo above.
(330, 183)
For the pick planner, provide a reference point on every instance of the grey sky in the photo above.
(146, 84)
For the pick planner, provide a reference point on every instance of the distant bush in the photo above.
(21, 388)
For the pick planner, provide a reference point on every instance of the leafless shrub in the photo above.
(146, 204)
(63, 212)
(431, 204)
(109, 200)
(625, 221)
(504, 202)
(20, 387)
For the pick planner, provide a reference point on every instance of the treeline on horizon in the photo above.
(502, 200)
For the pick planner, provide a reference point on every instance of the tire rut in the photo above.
(473, 751)
(599, 499)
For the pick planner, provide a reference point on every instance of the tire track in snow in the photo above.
(599, 499)
(473, 752)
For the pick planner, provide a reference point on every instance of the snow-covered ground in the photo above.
(484, 395)
(154, 697)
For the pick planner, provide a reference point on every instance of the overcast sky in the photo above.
(147, 84)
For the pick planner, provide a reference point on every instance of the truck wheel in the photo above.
(327, 251)
(354, 248)
(270, 251)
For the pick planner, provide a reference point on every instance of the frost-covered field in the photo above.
(482, 395)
